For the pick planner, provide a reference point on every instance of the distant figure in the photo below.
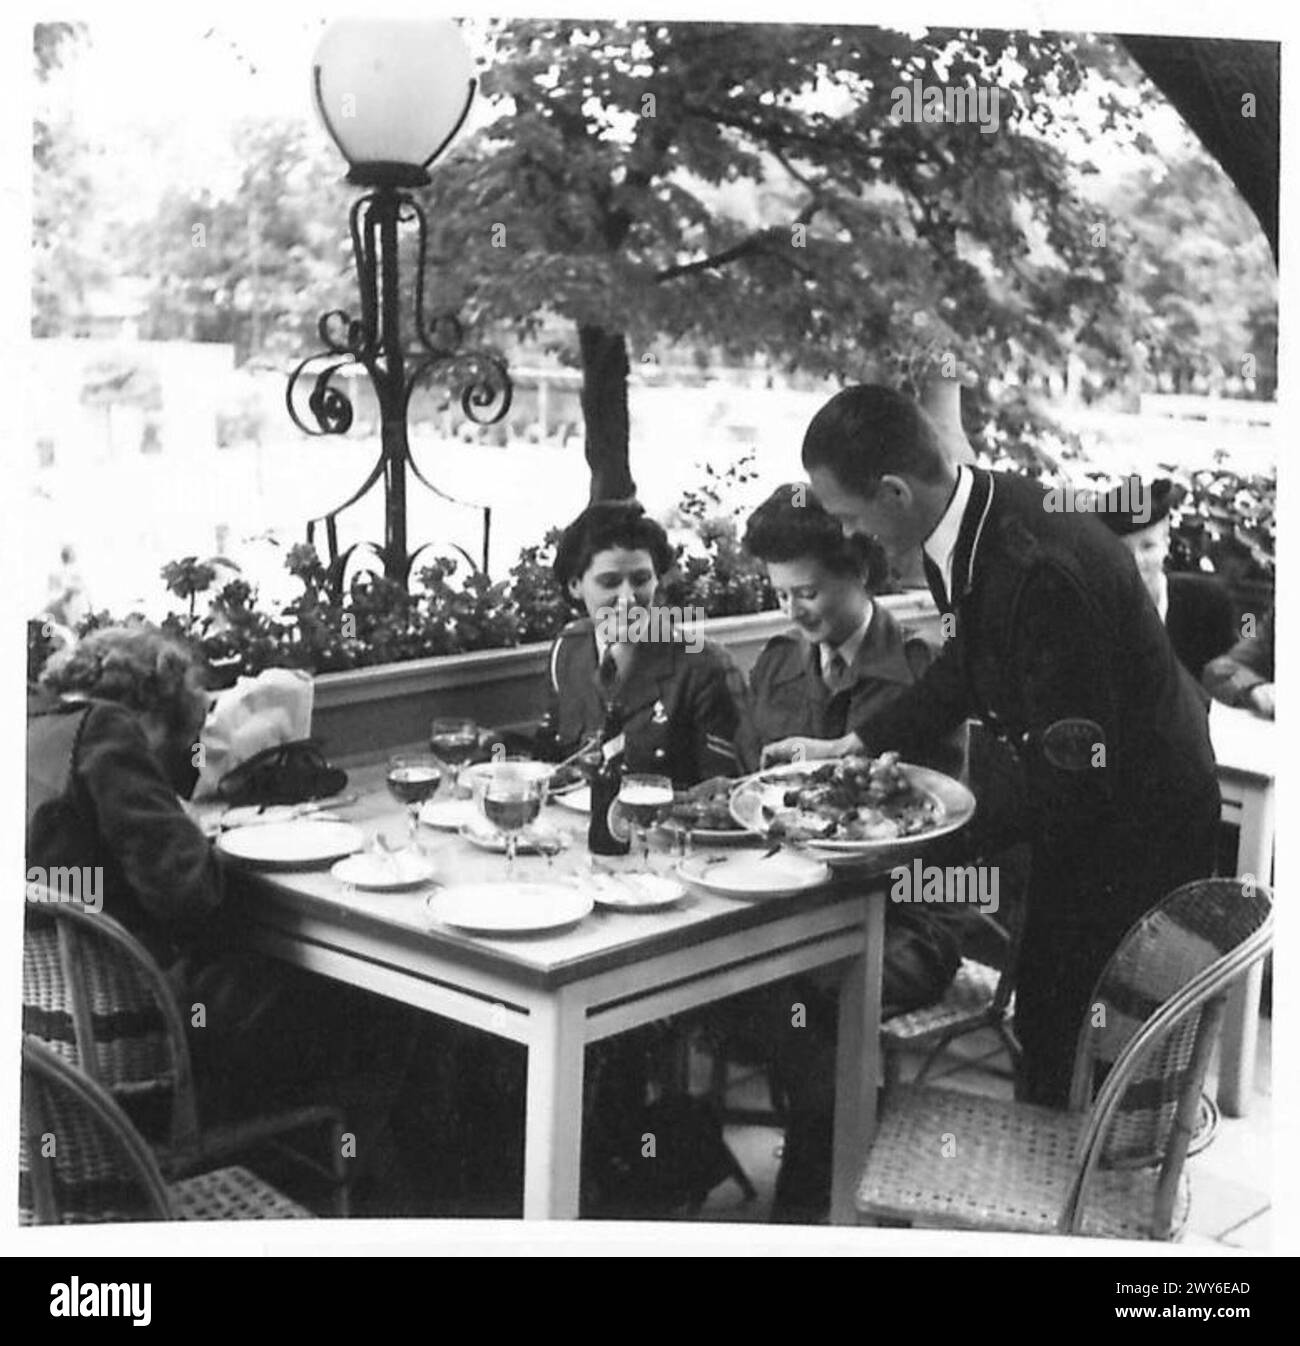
(68, 602)
(1244, 676)
(1197, 610)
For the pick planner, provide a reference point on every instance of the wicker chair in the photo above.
(1112, 1165)
(96, 997)
(82, 1160)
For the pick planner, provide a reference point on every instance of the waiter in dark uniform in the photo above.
(1056, 646)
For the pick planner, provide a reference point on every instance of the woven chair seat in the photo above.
(967, 1001)
(960, 1161)
(233, 1194)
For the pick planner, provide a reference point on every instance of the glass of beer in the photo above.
(645, 799)
(510, 798)
(413, 778)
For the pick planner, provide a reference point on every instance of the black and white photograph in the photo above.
(649, 631)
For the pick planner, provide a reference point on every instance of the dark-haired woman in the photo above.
(844, 658)
(682, 697)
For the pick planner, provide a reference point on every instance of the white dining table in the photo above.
(556, 993)
(1244, 749)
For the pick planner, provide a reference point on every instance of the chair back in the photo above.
(97, 997)
(81, 1160)
(1151, 1027)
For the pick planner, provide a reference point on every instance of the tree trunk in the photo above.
(604, 412)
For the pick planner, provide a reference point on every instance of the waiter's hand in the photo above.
(1262, 699)
(811, 749)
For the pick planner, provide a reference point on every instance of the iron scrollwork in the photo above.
(373, 342)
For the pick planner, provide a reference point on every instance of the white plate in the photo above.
(450, 814)
(293, 845)
(481, 833)
(383, 874)
(755, 876)
(635, 892)
(509, 908)
(578, 799)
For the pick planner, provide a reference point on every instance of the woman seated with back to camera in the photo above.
(111, 752)
(843, 659)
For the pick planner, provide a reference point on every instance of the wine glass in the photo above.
(510, 798)
(645, 799)
(413, 778)
(454, 740)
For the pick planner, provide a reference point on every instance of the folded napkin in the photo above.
(250, 717)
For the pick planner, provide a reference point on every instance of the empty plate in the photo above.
(635, 892)
(509, 908)
(451, 814)
(755, 876)
(293, 845)
(384, 873)
(481, 832)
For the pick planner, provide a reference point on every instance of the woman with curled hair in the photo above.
(110, 750)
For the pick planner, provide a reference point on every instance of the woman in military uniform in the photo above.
(682, 700)
(843, 657)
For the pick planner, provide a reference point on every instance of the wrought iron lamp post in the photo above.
(392, 95)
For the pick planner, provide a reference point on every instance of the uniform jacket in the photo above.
(684, 706)
(1248, 664)
(1052, 621)
(788, 696)
(1201, 619)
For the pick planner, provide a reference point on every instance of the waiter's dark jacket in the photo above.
(683, 704)
(1052, 622)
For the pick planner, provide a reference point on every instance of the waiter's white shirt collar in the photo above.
(847, 649)
(941, 545)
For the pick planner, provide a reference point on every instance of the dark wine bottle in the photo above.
(605, 786)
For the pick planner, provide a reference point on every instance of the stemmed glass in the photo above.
(413, 778)
(510, 798)
(645, 799)
(454, 740)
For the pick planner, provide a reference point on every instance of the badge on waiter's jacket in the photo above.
(659, 714)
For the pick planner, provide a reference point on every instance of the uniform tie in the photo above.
(834, 672)
(607, 673)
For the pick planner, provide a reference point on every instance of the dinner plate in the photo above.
(481, 833)
(635, 892)
(292, 845)
(754, 797)
(384, 873)
(577, 799)
(448, 814)
(509, 908)
(755, 876)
